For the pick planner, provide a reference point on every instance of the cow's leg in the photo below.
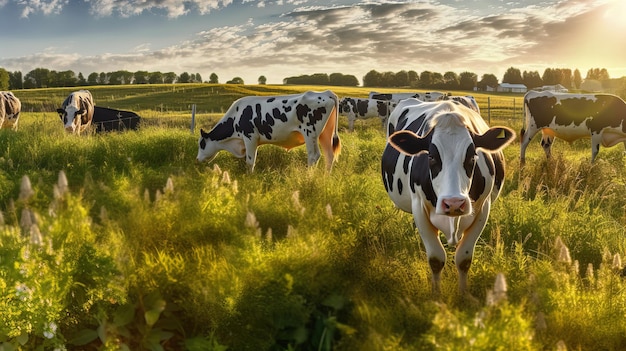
(434, 249)
(351, 120)
(596, 139)
(465, 248)
(313, 150)
(251, 152)
(527, 136)
(546, 144)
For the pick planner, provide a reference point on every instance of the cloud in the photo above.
(45, 7)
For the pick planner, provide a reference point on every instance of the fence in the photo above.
(502, 108)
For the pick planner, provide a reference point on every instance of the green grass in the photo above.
(149, 250)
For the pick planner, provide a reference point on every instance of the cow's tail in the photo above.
(336, 141)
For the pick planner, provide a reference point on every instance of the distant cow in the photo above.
(601, 117)
(107, 119)
(467, 101)
(358, 108)
(428, 96)
(444, 165)
(10, 108)
(76, 112)
(287, 121)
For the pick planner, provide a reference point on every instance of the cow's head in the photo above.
(72, 116)
(450, 152)
(221, 137)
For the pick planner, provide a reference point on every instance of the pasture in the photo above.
(148, 250)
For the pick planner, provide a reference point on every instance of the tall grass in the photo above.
(148, 250)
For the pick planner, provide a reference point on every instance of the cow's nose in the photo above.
(454, 204)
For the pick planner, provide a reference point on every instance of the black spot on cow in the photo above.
(276, 114)
(434, 161)
(361, 107)
(246, 125)
(302, 110)
(478, 184)
(271, 99)
(421, 177)
(222, 130)
(263, 125)
(390, 155)
(382, 108)
(381, 96)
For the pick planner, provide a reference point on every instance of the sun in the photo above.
(615, 14)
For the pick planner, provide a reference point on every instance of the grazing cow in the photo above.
(467, 101)
(287, 121)
(357, 108)
(601, 117)
(428, 96)
(444, 165)
(10, 107)
(107, 119)
(77, 111)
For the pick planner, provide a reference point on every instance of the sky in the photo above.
(285, 38)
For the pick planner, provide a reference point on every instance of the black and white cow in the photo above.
(108, 119)
(428, 96)
(444, 165)
(287, 121)
(359, 108)
(601, 117)
(467, 101)
(10, 108)
(76, 112)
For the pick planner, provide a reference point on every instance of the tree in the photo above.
(4, 79)
(598, 74)
(37, 78)
(451, 80)
(15, 80)
(467, 80)
(401, 79)
(184, 78)
(198, 78)
(236, 80)
(155, 78)
(437, 81)
(426, 79)
(262, 80)
(213, 79)
(141, 77)
(104, 78)
(92, 78)
(532, 79)
(577, 79)
(512, 76)
(487, 80)
(169, 78)
(372, 79)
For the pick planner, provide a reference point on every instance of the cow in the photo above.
(358, 108)
(467, 101)
(287, 121)
(107, 119)
(10, 108)
(601, 117)
(76, 112)
(444, 165)
(428, 96)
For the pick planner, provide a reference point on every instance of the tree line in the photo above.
(45, 78)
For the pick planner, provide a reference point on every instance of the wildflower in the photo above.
(564, 255)
(146, 196)
(295, 198)
(49, 330)
(226, 177)
(329, 211)
(498, 293)
(268, 235)
(251, 221)
(26, 190)
(62, 184)
(169, 186)
(35, 235)
(617, 262)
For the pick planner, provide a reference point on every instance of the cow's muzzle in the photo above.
(454, 206)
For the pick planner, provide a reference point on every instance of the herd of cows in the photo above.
(77, 112)
(442, 162)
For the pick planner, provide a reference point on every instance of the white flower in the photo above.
(49, 330)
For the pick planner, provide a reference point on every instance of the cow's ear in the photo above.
(203, 133)
(60, 111)
(408, 142)
(494, 139)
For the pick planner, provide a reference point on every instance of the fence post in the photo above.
(514, 110)
(489, 109)
(193, 118)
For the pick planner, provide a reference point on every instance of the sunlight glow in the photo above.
(615, 15)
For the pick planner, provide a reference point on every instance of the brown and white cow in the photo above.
(76, 112)
(601, 117)
(427, 96)
(443, 164)
(287, 121)
(10, 108)
(360, 108)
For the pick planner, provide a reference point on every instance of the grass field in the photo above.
(147, 250)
